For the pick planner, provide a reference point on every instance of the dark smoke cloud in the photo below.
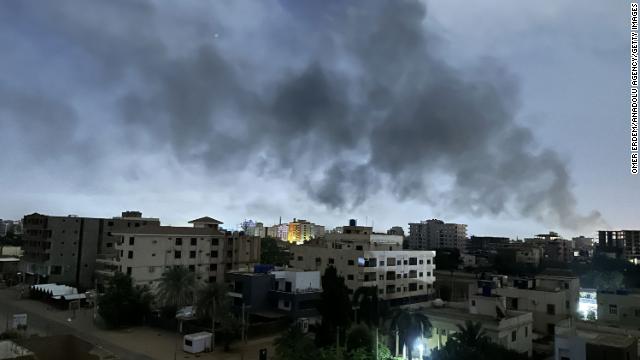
(363, 104)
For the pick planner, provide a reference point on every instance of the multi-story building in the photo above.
(209, 252)
(300, 231)
(556, 249)
(618, 308)
(291, 293)
(436, 234)
(550, 297)
(3, 228)
(396, 230)
(522, 253)
(10, 226)
(280, 231)
(486, 242)
(509, 328)
(368, 259)
(626, 243)
(64, 249)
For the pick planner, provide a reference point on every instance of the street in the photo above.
(137, 343)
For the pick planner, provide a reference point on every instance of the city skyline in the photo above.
(514, 129)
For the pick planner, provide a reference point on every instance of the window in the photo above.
(131, 240)
(358, 247)
(514, 335)
(130, 255)
(551, 309)
(381, 262)
(421, 274)
(413, 274)
(178, 241)
(194, 241)
(428, 261)
(192, 268)
(526, 331)
(152, 269)
(192, 254)
(398, 289)
(129, 271)
(212, 279)
(214, 242)
(213, 267)
(421, 262)
(214, 253)
(56, 270)
(406, 262)
(473, 303)
(420, 287)
(413, 261)
(350, 262)
(300, 258)
(177, 254)
(331, 261)
(381, 277)
(413, 287)
(567, 304)
(109, 245)
(349, 277)
(391, 261)
(613, 309)
(318, 261)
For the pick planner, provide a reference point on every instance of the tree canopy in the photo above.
(177, 287)
(271, 253)
(123, 304)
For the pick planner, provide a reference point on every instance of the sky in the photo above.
(511, 117)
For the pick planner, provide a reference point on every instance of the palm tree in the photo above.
(365, 303)
(470, 335)
(213, 302)
(177, 287)
(409, 326)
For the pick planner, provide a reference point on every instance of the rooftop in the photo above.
(205, 220)
(169, 230)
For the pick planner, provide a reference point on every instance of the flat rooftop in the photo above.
(462, 313)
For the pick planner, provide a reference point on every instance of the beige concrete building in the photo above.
(584, 340)
(300, 231)
(206, 250)
(436, 234)
(550, 297)
(365, 258)
(620, 308)
(64, 249)
(509, 328)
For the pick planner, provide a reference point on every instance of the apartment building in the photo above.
(206, 250)
(509, 328)
(436, 234)
(365, 258)
(626, 243)
(300, 230)
(556, 249)
(486, 242)
(619, 308)
(64, 249)
(522, 253)
(551, 297)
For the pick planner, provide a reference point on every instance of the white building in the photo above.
(145, 253)
(582, 340)
(551, 298)
(367, 259)
(509, 328)
(436, 234)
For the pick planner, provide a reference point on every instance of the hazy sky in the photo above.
(509, 116)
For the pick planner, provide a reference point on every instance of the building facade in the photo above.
(300, 231)
(206, 250)
(436, 234)
(64, 249)
(367, 259)
(626, 243)
(550, 298)
(509, 328)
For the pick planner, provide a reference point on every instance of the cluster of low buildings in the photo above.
(538, 313)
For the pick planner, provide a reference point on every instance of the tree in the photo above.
(213, 303)
(177, 287)
(470, 335)
(409, 325)
(369, 309)
(471, 343)
(271, 253)
(294, 345)
(122, 304)
(334, 307)
(359, 337)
